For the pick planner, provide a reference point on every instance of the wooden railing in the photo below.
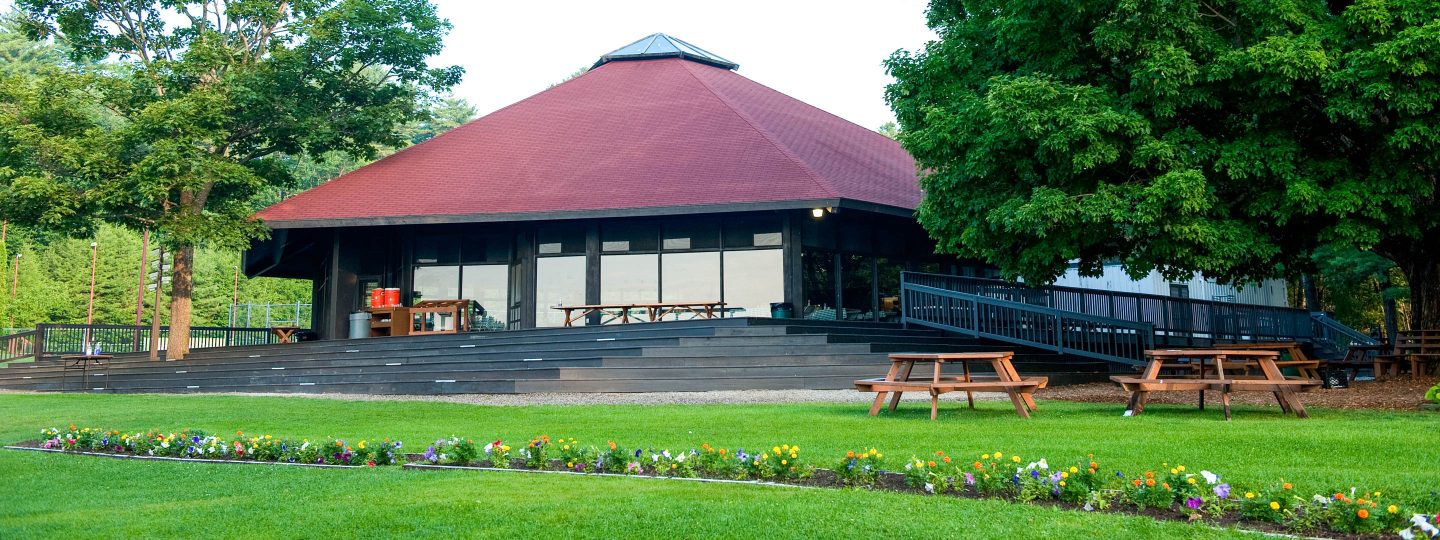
(1178, 322)
(51, 340)
(16, 346)
(1064, 332)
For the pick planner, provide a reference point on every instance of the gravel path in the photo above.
(648, 398)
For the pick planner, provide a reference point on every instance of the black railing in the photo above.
(50, 340)
(1332, 339)
(1176, 321)
(1021, 323)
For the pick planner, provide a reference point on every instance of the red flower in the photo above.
(370, 463)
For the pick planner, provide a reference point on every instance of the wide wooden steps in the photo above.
(725, 354)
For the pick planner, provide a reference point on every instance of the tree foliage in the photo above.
(1233, 138)
(214, 93)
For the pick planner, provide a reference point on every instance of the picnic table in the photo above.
(1419, 348)
(82, 362)
(1005, 379)
(1307, 367)
(286, 334)
(1207, 370)
(651, 311)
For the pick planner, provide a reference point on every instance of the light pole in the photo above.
(14, 289)
(90, 307)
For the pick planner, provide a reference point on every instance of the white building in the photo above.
(1270, 292)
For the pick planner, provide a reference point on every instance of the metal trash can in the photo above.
(1334, 378)
(782, 310)
(359, 325)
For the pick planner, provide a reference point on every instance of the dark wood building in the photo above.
(659, 175)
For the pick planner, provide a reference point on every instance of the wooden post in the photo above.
(14, 291)
(90, 306)
(155, 317)
(140, 288)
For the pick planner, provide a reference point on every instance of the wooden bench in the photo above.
(1223, 370)
(1417, 349)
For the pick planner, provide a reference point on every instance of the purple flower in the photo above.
(195, 439)
(969, 479)
(1120, 474)
(1034, 473)
(1193, 503)
(637, 452)
(430, 454)
(1222, 491)
(397, 445)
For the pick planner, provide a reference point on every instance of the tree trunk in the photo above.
(182, 285)
(1423, 275)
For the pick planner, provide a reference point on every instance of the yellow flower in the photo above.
(1174, 471)
(1190, 480)
(1062, 483)
(776, 450)
(267, 437)
(566, 447)
(985, 456)
(1249, 495)
(784, 447)
(1074, 469)
(1377, 493)
(1392, 509)
(879, 456)
(784, 462)
(1181, 467)
(794, 449)
(1274, 505)
(362, 443)
(1064, 475)
(998, 456)
(1016, 459)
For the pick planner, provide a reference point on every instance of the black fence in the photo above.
(1177, 322)
(51, 340)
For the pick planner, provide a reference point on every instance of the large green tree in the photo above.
(1230, 137)
(213, 93)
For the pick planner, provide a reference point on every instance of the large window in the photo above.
(489, 285)
(818, 269)
(690, 277)
(753, 280)
(558, 281)
(436, 283)
(629, 278)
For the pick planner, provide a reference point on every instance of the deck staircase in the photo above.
(720, 354)
(1114, 327)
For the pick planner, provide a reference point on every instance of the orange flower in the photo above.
(939, 453)
(1165, 485)
(850, 454)
(1149, 482)
(612, 445)
(1286, 485)
(947, 459)
(1362, 513)
(931, 464)
(1092, 470)
(1149, 474)
(722, 451)
(1339, 496)
(977, 464)
(1137, 482)
(1093, 465)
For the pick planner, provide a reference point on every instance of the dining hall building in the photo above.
(660, 175)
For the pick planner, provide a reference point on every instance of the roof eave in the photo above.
(654, 211)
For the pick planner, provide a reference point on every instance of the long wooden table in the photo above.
(1006, 379)
(1211, 375)
(653, 311)
(1420, 348)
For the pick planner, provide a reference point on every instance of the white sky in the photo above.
(825, 53)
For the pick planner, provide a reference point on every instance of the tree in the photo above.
(21, 55)
(1230, 138)
(889, 129)
(213, 93)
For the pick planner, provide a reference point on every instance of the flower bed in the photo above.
(197, 444)
(1167, 492)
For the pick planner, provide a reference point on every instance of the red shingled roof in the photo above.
(626, 135)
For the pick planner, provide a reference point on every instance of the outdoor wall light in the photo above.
(818, 212)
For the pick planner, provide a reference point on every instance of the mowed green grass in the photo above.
(69, 496)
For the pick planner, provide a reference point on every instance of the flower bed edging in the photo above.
(423, 467)
(188, 460)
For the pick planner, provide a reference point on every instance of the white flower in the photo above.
(929, 488)
(1425, 525)
(1088, 507)
(680, 458)
(165, 444)
(1407, 535)
(1210, 478)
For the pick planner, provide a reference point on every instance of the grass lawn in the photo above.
(68, 496)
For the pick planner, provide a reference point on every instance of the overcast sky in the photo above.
(826, 53)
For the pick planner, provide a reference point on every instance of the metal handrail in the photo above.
(1064, 332)
(1177, 321)
(61, 339)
